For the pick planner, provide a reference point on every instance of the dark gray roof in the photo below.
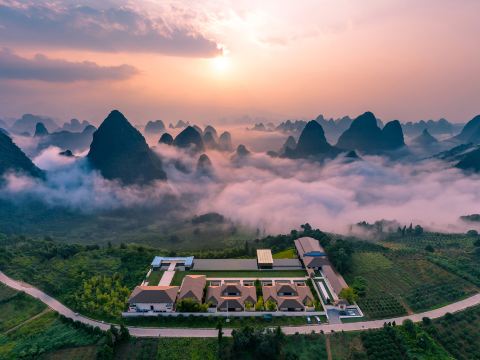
(286, 288)
(225, 264)
(315, 261)
(230, 303)
(287, 263)
(289, 303)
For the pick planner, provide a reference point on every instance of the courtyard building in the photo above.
(231, 297)
(289, 297)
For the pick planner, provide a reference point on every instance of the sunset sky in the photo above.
(214, 61)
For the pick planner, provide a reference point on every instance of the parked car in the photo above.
(318, 319)
(309, 321)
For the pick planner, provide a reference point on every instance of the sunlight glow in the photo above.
(221, 64)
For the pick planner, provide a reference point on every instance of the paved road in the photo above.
(188, 332)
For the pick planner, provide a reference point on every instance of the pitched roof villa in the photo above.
(288, 297)
(192, 287)
(231, 297)
(153, 298)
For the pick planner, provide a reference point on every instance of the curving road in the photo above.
(189, 332)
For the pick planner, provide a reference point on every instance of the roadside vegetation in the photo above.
(50, 336)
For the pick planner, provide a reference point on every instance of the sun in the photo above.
(221, 64)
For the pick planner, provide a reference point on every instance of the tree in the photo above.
(418, 230)
(410, 229)
(259, 306)
(306, 227)
(105, 352)
(409, 326)
(429, 248)
(348, 294)
(472, 233)
(190, 305)
(360, 286)
(270, 305)
(220, 332)
(426, 320)
(248, 305)
(124, 333)
(247, 248)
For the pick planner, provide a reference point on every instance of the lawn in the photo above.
(286, 254)
(155, 277)
(179, 275)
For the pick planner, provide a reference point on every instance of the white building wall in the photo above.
(159, 307)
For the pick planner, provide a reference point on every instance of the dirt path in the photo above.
(28, 320)
(327, 346)
(405, 305)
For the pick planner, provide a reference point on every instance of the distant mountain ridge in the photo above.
(12, 158)
(28, 122)
(470, 132)
(365, 135)
(312, 143)
(155, 127)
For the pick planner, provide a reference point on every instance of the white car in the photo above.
(309, 321)
(318, 319)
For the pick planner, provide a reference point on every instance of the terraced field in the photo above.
(398, 284)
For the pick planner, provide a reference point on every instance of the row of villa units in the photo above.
(224, 296)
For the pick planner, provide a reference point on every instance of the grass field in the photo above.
(345, 345)
(42, 335)
(75, 353)
(285, 254)
(187, 349)
(16, 307)
(179, 275)
(139, 349)
(306, 347)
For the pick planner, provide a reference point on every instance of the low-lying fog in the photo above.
(269, 193)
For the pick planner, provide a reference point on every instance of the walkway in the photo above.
(188, 332)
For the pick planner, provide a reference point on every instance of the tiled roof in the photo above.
(192, 287)
(153, 294)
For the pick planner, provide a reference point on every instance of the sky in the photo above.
(219, 61)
